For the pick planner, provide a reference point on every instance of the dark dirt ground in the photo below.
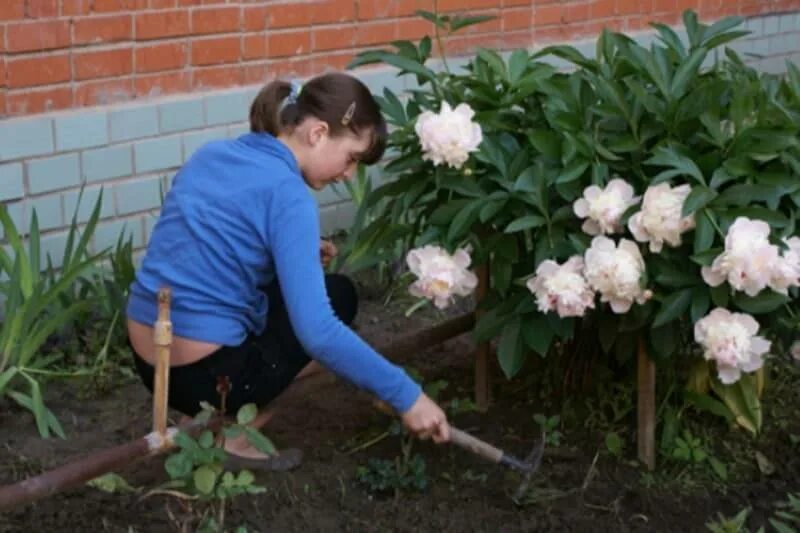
(570, 493)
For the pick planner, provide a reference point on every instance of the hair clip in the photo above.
(348, 115)
(294, 93)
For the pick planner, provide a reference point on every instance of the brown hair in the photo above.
(340, 100)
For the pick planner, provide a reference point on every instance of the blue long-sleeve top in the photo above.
(238, 214)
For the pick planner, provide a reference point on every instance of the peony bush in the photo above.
(638, 195)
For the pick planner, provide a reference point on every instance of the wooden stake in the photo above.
(162, 338)
(646, 412)
(482, 350)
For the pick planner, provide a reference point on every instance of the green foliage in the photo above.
(385, 475)
(31, 313)
(677, 111)
(550, 427)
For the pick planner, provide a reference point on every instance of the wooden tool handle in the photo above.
(475, 445)
(162, 338)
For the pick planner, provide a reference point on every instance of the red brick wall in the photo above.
(58, 54)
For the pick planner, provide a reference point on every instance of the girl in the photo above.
(238, 243)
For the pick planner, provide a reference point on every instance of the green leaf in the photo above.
(673, 306)
(664, 340)
(246, 414)
(206, 439)
(703, 232)
(718, 467)
(259, 441)
(179, 465)
(701, 301)
(537, 334)
(547, 142)
(681, 165)
(458, 23)
(572, 171)
(704, 402)
(764, 302)
(607, 330)
(686, 72)
(111, 483)
(435, 18)
(526, 222)
(489, 325)
(494, 61)
(204, 479)
(517, 64)
(697, 199)
(509, 351)
(464, 220)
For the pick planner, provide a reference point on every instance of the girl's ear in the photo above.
(319, 130)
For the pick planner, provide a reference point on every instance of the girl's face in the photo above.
(332, 159)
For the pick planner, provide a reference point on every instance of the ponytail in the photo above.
(265, 111)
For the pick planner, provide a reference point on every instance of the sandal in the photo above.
(284, 460)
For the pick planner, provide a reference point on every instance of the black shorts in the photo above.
(260, 368)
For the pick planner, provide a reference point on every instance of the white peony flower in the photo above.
(615, 272)
(750, 263)
(795, 350)
(730, 340)
(603, 208)
(787, 269)
(660, 219)
(562, 288)
(449, 136)
(441, 276)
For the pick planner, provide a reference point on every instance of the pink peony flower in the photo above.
(660, 219)
(603, 208)
(562, 288)
(615, 272)
(441, 276)
(730, 340)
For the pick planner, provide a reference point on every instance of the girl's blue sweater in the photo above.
(239, 214)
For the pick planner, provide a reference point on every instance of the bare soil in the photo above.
(580, 486)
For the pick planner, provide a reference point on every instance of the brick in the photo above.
(133, 122)
(154, 85)
(53, 173)
(21, 138)
(227, 107)
(48, 212)
(256, 72)
(255, 18)
(11, 185)
(288, 43)
(81, 206)
(181, 115)
(139, 195)
(103, 92)
(547, 15)
(41, 8)
(218, 77)
(771, 25)
(254, 46)
(333, 61)
(461, 5)
(107, 163)
(38, 70)
(3, 93)
(81, 130)
(602, 9)
(34, 36)
(215, 51)
(162, 24)
(157, 154)
(29, 101)
(193, 141)
(71, 8)
(294, 67)
(416, 28)
(336, 38)
(103, 64)
(3, 78)
(159, 57)
(107, 6)
(216, 20)
(94, 30)
(13, 10)
(51, 249)
(516, 19)
(664, 6)
(162, 4)
(369, 34)
(107, 235)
